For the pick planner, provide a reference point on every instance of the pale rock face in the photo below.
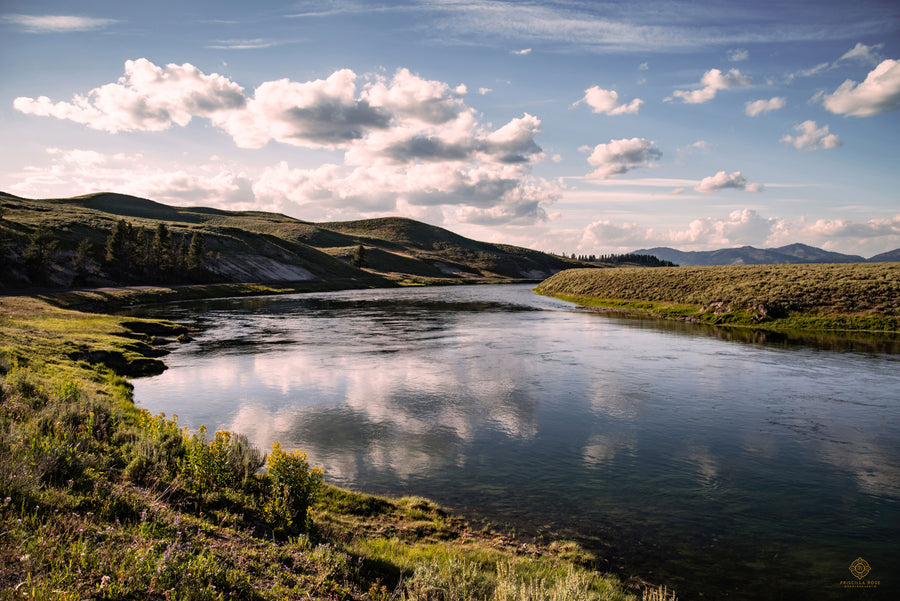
(247, 268)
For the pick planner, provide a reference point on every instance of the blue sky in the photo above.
(571, 126)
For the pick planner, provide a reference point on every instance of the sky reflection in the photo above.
(562, 417)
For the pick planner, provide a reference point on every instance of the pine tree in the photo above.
(41, 244)
(118, 253)
(359, 257)
(161, 249)
(196, 256)
(82, 259)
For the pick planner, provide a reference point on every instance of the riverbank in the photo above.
(855, 297)
(96, 498)
(116, 298)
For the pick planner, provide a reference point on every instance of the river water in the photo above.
(728, 465)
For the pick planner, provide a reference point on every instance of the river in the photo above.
(728, 465)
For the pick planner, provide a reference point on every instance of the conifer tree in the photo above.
(359, 257)
(40, 244)
(196, 256)
(117, 246)
(82, 259)
(161, 249)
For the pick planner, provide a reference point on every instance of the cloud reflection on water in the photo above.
(561, 416)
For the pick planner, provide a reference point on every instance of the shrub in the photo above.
(142, 469)
(244, 459)
(294, 488)
(228, 460)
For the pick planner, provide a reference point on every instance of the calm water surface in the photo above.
(726, 468)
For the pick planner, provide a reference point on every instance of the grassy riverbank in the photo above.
(840, 297)
(99, 499)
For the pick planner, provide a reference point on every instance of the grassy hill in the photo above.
(854, 296)
(447, 253)
(237, 246)
(243, 246)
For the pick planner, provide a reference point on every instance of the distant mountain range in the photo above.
(749, 255)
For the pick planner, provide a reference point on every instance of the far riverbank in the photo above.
(855, 297)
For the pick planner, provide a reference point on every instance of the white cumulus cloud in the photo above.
(407, 142)
(607, 102)
(83, 171)
(604, 233)
(847, 228)
(745, 227)
(878, 93)
(621, 156)
(758, 107)
(712, 81)
(741, 227)
(148, 98)
(324, 113)
(812, 137)
(722, 181)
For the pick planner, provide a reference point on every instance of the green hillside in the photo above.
(449, 253)
(63, 242)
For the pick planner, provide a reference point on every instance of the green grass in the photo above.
(847, 297)
(101, 500)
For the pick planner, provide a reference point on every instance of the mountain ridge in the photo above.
(796, 253)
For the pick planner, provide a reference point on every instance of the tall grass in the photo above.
(848, 296)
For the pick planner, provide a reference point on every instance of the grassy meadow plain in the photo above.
(101, 500)
(840, 297)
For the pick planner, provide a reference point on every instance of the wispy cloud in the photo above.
(57, 23)
(606, 26)
(859, 53)
(863, 53)
(243, 44)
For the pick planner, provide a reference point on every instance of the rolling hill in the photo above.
(748, 255)
(242, 246)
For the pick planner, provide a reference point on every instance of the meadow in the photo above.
(846, 296)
